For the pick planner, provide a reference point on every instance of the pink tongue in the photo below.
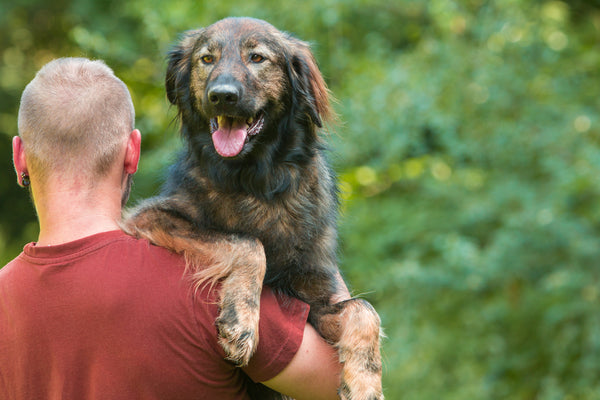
(229, 139)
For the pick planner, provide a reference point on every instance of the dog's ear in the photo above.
(178, 67)
(308, 84)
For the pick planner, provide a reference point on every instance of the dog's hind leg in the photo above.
(353, 326)
(238, 262)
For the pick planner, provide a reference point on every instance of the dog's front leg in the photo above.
(353, 326)
(238, 262)
(237, 323)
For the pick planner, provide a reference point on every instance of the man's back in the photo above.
(110, 316)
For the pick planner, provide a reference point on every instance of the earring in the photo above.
(25, 179)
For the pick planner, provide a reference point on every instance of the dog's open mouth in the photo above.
(230, 134)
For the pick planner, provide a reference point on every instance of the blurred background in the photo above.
(468, 157)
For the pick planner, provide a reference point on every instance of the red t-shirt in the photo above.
(112, 317)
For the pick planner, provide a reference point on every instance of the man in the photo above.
(88, 312)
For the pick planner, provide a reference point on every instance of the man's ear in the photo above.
(19, 160)
(132, 152)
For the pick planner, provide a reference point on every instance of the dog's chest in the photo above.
(283, 218)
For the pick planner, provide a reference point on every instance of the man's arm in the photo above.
(313, 373)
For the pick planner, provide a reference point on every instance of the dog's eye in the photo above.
(207, 59)
(256, 58)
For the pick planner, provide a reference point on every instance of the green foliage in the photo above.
(468, 155)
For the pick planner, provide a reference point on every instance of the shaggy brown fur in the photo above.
(252, 198)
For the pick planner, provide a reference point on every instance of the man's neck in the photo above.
(54, 234)
(66, 216)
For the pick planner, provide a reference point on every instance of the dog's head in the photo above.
(242, 81)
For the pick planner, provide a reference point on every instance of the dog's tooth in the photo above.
(250, 121)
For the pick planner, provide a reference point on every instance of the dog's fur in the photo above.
(252, 183)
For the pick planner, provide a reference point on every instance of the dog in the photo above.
(252, 199)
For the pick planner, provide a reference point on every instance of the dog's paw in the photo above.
(238, 331)
(237, 322)
(359, 352)
(361, 379)
(238, 342)
(360, 391)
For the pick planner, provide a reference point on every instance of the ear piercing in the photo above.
(25, 180)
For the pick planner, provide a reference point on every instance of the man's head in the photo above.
(74, 119)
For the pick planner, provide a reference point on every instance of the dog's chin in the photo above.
(233, 137)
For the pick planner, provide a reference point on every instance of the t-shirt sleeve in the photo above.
(281, 329)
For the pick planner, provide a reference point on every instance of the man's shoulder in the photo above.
(7, 269)
(142, 243)
(111, 248)
(130, 246)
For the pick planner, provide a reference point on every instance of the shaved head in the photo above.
(74, 117)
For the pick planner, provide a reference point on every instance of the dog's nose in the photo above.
(223, 94)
